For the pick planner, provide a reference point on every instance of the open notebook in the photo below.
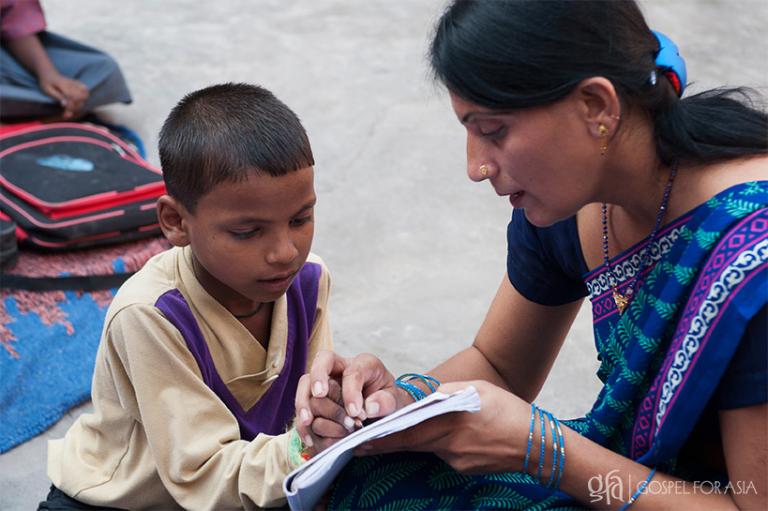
(306, 485)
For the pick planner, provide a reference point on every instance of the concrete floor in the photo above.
(416, 249)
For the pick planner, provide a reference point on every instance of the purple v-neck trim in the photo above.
(274, 411)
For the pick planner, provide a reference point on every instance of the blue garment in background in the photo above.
(20, 95)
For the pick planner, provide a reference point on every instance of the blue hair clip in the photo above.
(669, 61)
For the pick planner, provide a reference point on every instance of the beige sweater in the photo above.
(159, 438)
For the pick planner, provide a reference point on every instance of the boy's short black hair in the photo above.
(222, 132)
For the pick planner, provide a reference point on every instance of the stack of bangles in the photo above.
(403, 381)
(558, 447)
(558, 454)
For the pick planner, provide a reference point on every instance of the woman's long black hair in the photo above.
(508, 54)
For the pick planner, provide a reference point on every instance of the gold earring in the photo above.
(603, 130)
(483, 170)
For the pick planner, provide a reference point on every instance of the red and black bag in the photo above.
(75, 185)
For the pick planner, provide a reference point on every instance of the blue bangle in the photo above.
(640, 489)
(551, 420)
(562, 454)
(530, 439)
(415, 392)
(431, 382)
(543, 445)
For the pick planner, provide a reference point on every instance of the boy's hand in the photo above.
(339, 393)
(321, 421)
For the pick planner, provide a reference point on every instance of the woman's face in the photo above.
(543, 158)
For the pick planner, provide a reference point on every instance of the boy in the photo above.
(196, 374)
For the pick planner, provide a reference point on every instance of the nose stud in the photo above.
(483, 170)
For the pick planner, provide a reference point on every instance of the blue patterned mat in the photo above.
(48, 340)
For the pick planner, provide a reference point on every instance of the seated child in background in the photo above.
(202, 349)
(43, 74)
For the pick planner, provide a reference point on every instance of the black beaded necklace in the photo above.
(622, 300)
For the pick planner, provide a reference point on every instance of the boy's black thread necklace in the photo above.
(238, 316)
(249, 314)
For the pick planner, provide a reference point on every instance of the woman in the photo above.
(654, 206)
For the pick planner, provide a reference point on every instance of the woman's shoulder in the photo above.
(560, 237)
(545, 264)
(696, 184)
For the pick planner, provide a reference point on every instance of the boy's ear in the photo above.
(171, 215)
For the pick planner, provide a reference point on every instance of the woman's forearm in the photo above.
(469, 364)
(515, 346)
(603, 479)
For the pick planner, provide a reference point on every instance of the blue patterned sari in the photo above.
(661, 361)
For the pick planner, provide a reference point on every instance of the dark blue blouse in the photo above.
(546, 265)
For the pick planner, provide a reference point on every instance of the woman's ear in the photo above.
(171, 215)
(599, 104)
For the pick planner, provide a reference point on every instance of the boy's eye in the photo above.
(301, 221)
(244, 234)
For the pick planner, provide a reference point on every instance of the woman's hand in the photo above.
(491, 440)
(368, 388)
(339, 393)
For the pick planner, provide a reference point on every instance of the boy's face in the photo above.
(250, 238)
